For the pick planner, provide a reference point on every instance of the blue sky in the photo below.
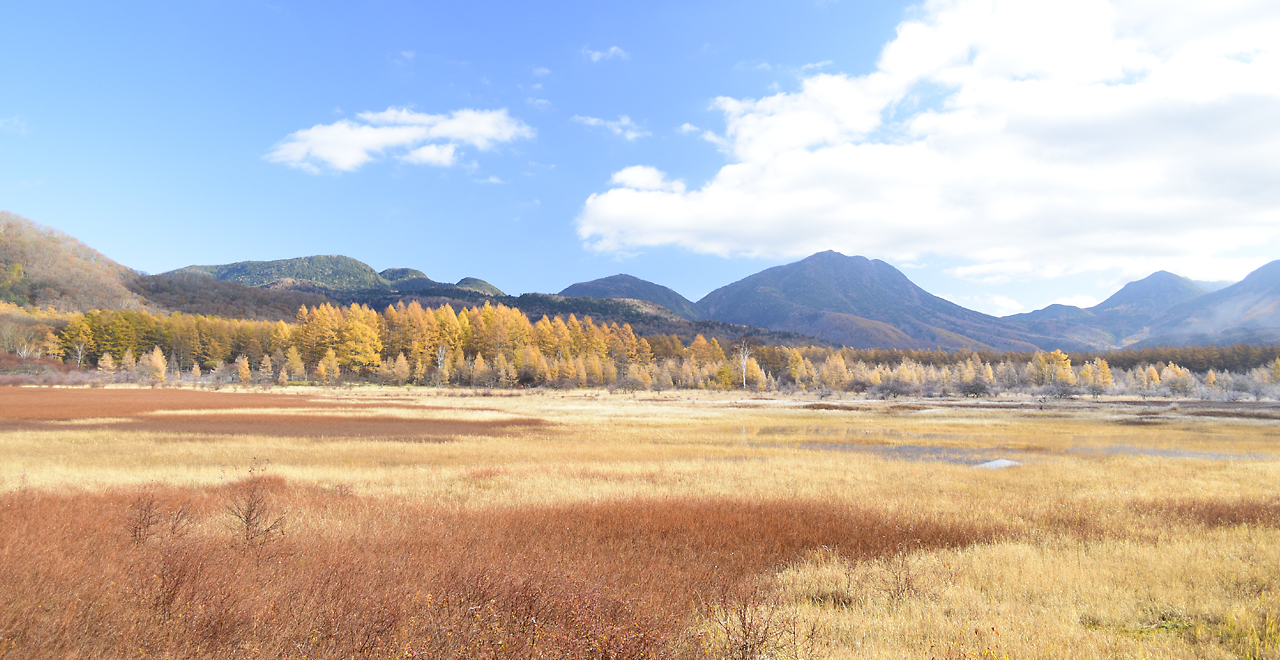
(1003, 155)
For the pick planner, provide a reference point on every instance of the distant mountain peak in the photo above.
(623, 286)
(479, 286)
(1151, 294)
(858, 302)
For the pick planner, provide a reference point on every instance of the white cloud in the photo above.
(422, 138)
(599, 55)
(688, 128)
(541, 71)
(643, 177)
(1082, 301)
(13, 124)
(541, 104)
(490, 179)
(407, 54)
(817, 65)
(1031, 139)
(621, 126)
(442, 155)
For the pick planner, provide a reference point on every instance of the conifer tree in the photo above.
(333, 369)
(293, 364)
(155, 367)
(242, 369)
(106, 365)
(400, 372)
(78, 341)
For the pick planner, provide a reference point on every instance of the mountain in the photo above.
(1117, 321)
(1247, 311)
(861, 303)
(194, 293)
(332, 272)
(626, 286)
(479, 286)
(44, 267)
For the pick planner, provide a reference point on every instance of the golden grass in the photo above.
(1130, 530)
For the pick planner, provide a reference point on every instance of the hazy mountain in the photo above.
(1116, 321)
(857, 302)
(1247, 311)
(627, 286)
(1149, 296)
(42, 266)
(479, 286)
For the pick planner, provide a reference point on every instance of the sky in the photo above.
(1004, 155)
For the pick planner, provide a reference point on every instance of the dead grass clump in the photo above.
(828, 406)
(1242, 414)
(1214, 513)
(206, 573)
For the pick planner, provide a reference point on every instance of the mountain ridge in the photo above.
(629, 286)
(859, 302)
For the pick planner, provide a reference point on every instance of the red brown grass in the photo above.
(365, 577)
(25, 408)
(1214, 513)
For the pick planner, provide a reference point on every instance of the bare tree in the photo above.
(744, 355)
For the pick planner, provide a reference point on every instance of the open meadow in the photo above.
(444, 523)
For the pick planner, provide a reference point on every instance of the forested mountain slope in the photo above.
(44, 267)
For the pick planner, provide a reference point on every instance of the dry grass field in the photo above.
(417, 523)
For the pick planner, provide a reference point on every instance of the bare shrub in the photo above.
(256, 521)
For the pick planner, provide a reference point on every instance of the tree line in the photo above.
(499, 346)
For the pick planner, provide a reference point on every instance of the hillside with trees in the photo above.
(43, 267)
(334, 272)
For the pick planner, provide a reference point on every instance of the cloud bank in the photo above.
(414, 137)
(1028, 139)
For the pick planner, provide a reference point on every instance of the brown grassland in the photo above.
(394, 523)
